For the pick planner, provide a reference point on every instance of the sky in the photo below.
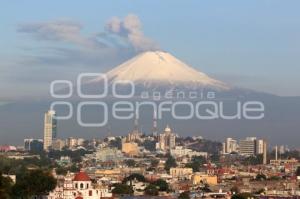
(251, 44)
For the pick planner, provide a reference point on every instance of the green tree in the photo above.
(33, 183)
(197, 163)
(154, 162)
(184, 195)
(260, 191)
(149, 145)
(121, 189)
(235, 190)
(74, 168)
(61, 170)
(171, 162)
(117, 143)
(261, 177)
(134, 176)
(274, 178)
(151, 190)
(242, 196)
(5, 187)
(130, 162)
(206, 188)
(162, 185)
(298, 171)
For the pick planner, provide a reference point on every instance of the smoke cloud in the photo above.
(60, 30)
(130, 29)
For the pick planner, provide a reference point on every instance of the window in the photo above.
(81, 185)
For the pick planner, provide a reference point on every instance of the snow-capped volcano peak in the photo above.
(157, 67)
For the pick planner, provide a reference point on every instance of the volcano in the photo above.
(154, 69)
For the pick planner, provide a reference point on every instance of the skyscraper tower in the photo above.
(50, 132)
(265, 151)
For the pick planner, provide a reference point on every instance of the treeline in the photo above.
(29, 183)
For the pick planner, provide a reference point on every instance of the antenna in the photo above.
(136, 123)
(154, 128)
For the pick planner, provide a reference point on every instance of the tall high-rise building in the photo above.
(230, 145)
(33, 144)
(50, 129)
(265, 150)
(248, 146)
(167, 140)
(260, 146)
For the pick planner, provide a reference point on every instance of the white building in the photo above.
(107, 154)
(181, 173)
(167, 140)
(49, 129)
(260, 146)
(247, 146)
(180, 151)
(230, 145)
(79, 187)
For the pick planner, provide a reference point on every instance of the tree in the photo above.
(274, 178)
(74, 168)
(171, 162)
(162, 184)
(33, 183)
(184, 195)
(130, 163)
(117, 143)
(122, 189)
(253, 160)
(61, 170)
(196, 163)
(151, 190)
(206, 188)
(150, 145)
(261, 177)
(154, 162)
(134, 176)
(5, 187)
(242, 196)
(260, 191)
(298, 171)
(235, 190)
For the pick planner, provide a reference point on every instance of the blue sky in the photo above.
(253, 44)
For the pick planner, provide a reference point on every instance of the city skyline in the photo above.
(150, 99)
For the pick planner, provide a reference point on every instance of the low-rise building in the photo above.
(179, 172)
(203, 178)
(130, 148)
(180, 151)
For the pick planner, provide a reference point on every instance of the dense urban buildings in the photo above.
(168, 163)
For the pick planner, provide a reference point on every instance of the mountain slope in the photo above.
(161, 68)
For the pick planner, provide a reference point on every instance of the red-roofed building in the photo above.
(7, 148)
(81, 176)
(79, 187)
